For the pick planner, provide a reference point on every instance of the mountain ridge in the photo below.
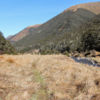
(87, 6)
(22, 33)
(63, 26)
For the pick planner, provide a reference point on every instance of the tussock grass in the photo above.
(1, 57)
(10, 60)
(47, 77)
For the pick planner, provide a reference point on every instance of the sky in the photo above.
(16, 15)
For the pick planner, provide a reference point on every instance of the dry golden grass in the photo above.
(96, 59)
(10, 60)
(49, 77)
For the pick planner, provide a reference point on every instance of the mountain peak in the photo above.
(62, 29)
(93, 7)
(23, 33)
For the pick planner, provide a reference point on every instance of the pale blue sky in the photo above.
(15, 15)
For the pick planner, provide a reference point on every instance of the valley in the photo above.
(67, 32)
(56, 60)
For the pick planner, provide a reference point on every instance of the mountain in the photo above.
(86, 38)
(93, 7)
(5, 46)
(23, 33)
(63, 27)
(91, 34)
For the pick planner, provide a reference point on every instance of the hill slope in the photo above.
(60, 27)
(5, 46)
(23, 33)
(91, 34)
(93, 7)
(86, 38)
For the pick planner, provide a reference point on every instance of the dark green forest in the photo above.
(5, 46)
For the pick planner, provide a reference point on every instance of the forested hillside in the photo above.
(5, 46)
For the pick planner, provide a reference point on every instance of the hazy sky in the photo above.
(15, 15)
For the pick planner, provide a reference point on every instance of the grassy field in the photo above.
(47, 77)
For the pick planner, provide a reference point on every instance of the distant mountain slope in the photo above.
(93, 7)
(23, 33)
(60, 27)
(86, 38)
(5, 46)
(91, 34)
